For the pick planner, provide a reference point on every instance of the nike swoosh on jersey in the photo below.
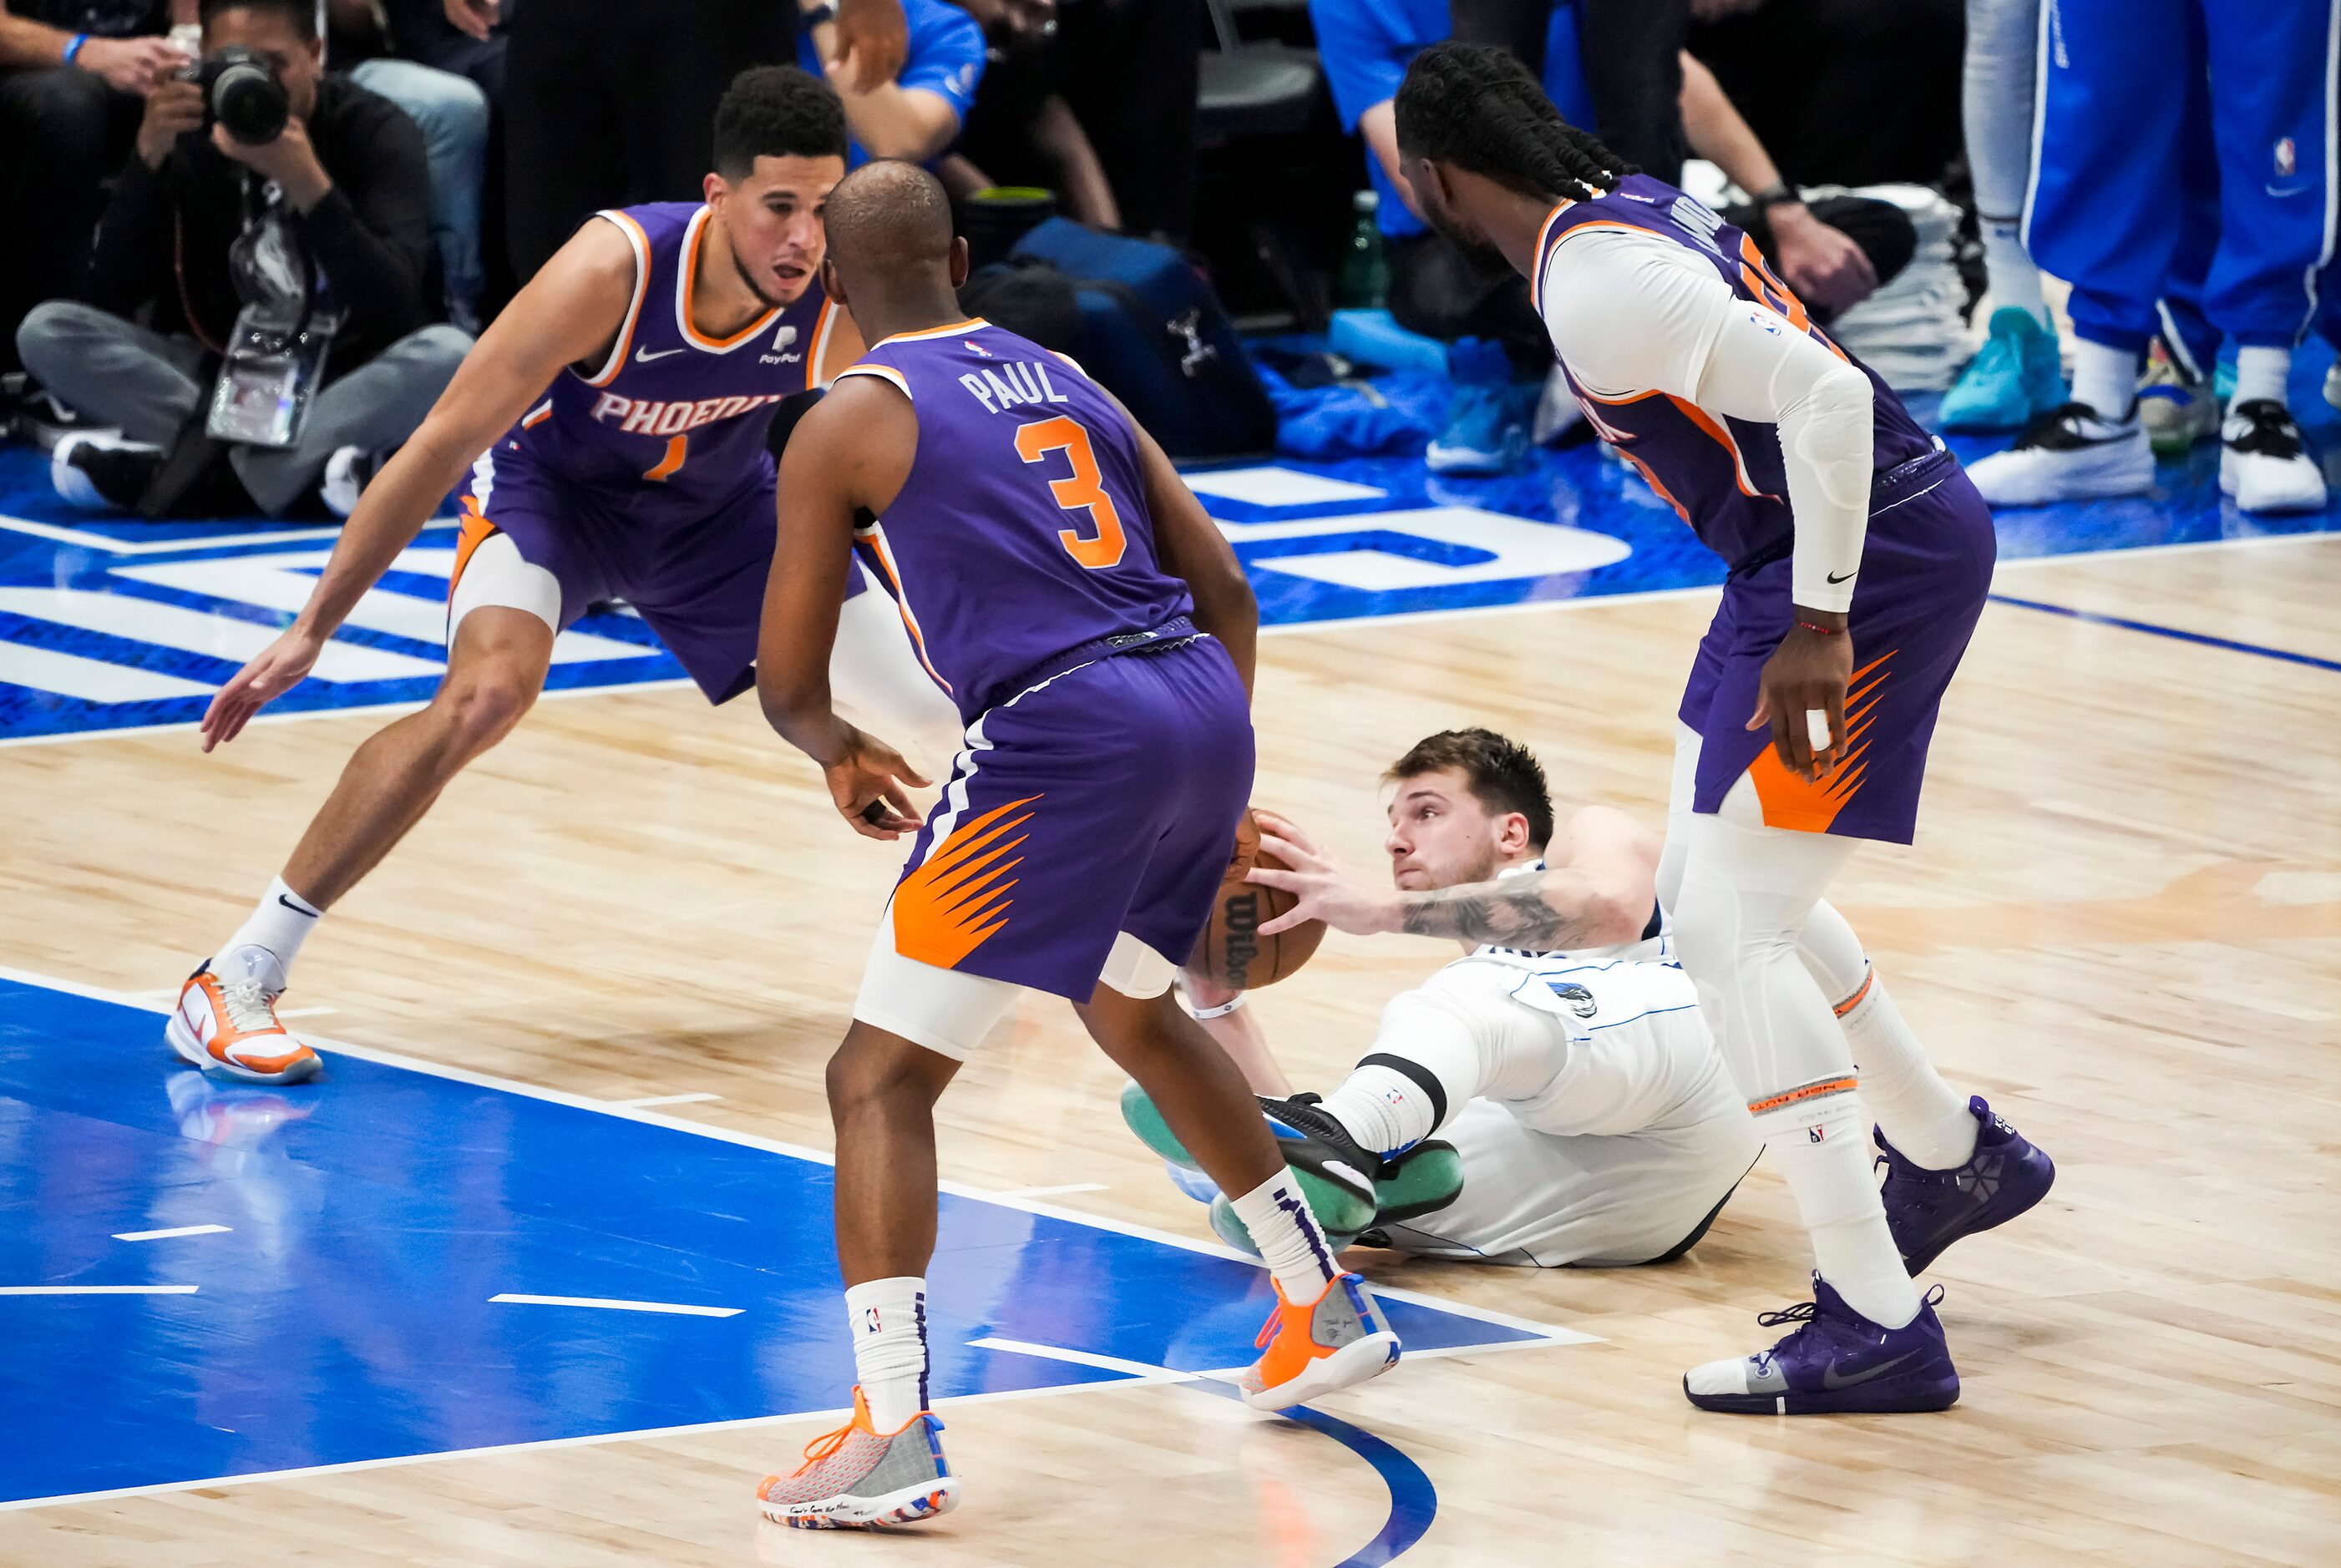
(643, 356)
(1831, 1380)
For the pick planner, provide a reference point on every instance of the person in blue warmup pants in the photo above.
(2109, 209)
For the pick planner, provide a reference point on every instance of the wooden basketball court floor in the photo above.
(2121, 922)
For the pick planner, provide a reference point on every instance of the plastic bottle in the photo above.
(1365, 268)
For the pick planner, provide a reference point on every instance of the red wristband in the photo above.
(1824, 630)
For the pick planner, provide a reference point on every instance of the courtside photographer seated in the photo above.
(258, 316)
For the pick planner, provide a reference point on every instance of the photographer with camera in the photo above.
(73, 74)
(275, 217)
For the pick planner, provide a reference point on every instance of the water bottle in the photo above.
(1365, 269)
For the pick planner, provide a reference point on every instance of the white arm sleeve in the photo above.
(1631, 312)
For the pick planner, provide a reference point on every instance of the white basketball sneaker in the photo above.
(2070, 454)
(2262, 463)
(226, 1024)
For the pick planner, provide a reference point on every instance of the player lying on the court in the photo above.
(1095, 632)
(1590, 1119)
(1850, 534)
(609, 432)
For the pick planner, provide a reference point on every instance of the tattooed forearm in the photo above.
(1512, 913)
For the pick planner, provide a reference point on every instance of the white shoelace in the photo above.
(247, 1005)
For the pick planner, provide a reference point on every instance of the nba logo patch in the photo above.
(1816, 1134)
(2285, 160)
(978, 350)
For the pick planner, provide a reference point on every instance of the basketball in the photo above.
(1232, 952)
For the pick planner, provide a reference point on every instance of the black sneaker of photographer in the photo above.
(100, 472)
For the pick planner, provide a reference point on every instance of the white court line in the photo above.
(615, 1304)
(97, 1290)
(495, 1449)
(655, 1099)
(111, 546)
(1052, 1191)
(1354, 623)
(386, 709)
(1142, 1372)
(176, 1230)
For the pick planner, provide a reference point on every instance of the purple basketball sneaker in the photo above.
(1927, 1210)
(1836, 1362)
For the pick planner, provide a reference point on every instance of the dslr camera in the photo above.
(241, 92)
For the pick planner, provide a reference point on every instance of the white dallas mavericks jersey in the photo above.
(1621, 1152)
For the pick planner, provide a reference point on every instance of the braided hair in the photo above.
(1479, 109)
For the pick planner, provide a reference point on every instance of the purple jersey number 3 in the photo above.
(1084, 491)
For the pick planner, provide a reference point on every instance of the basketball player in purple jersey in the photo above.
(1096, 632)
(609, 432)
(1859, 557)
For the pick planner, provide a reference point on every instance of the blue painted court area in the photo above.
(346, 1310)
(109, 624)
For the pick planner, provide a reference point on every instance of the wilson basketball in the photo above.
(1233, 951)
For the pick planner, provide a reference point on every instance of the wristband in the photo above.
(1823, 630)
(73, 46)
(1777, 194)
(816, 15)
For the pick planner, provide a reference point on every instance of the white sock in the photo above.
(2262, 373)
(1827, 1165)
(2106, 378)
(1286, 1233)
(2013, 279)
(889, 1319)
(1382, 1108)
(270, 939)
(1920, 1114)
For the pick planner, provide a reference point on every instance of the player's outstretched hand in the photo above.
(867, 781)
(1321, 886)
(1802, 696)
(277, 669)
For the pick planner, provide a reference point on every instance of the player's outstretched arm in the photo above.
(1190, 546)
(1604, 900)
(850, 454)
(570, 313)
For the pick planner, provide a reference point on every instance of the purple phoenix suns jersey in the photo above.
(671, 427)
(1723, 475)
(1022, 530)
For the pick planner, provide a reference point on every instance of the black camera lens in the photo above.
(241, 92)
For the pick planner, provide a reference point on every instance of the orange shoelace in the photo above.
(821, 1447)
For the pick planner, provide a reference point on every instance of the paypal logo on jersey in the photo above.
(1016, 382)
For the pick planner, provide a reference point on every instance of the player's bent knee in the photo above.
(481, 708)
(875, 1067)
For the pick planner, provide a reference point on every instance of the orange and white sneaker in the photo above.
(229, 1026)
(1337, 1341)
(856, 1476)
